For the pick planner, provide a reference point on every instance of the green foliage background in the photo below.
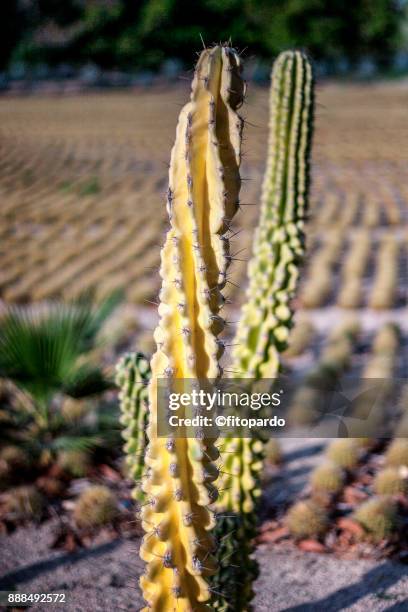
(134, 34)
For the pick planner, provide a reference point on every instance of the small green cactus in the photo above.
(24, 503)
(344, 452)
(337, 354)
(378, 517)
(306, 519)
(132, 377)
(96, 506)
(75, 462)
(397, 453)
(391, 481)
(273, 452)
(304, 408)
(387, 340)
(73, 409)
(238, 569)
(349, 328)
(401, 430)
(327, 478)
(13, 460)
(299, 338)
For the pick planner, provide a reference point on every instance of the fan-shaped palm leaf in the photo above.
(40, 347)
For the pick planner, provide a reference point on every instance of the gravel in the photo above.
(299, 582)
(105, 577)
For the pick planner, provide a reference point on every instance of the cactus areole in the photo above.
(202, 198)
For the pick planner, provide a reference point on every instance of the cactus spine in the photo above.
(266, 319)
(132, 377)
(202, 198)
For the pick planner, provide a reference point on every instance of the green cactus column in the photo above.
(266, 319)
(203, 193)
(132, 378)
(279, 241)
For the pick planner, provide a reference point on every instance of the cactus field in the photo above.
(83, 182)
(168, 201)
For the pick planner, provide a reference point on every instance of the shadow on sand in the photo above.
(29, 572)
(376, 581)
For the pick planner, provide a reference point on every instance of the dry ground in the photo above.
(82, 182)
(105, 577)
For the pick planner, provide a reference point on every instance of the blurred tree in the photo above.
(142, 33)
(328, 30)
(109, 34)
(62, 13)
(12, 26)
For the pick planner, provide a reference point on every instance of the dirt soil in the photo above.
(105, 577)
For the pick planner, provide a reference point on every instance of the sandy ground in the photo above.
(298, 582)
(105, 577)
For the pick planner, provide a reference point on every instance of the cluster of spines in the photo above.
(279, 247)
(132, 378)
(203, 193)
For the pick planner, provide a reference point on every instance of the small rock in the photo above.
(347, 524)
(267, 526)
(311, 546)
(104, 580)
(110, 473)
(111, 579)
(273, 535)
(353, 495)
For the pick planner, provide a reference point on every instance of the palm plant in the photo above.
(46, 353)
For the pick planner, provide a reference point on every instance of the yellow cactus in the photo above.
(203, 195)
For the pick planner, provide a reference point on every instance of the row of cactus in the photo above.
(188, 563)
(320, 282)
(324, 261)
(300, 338)
(351, 293)
(378, 515)
(384, 291)
(308, 402)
